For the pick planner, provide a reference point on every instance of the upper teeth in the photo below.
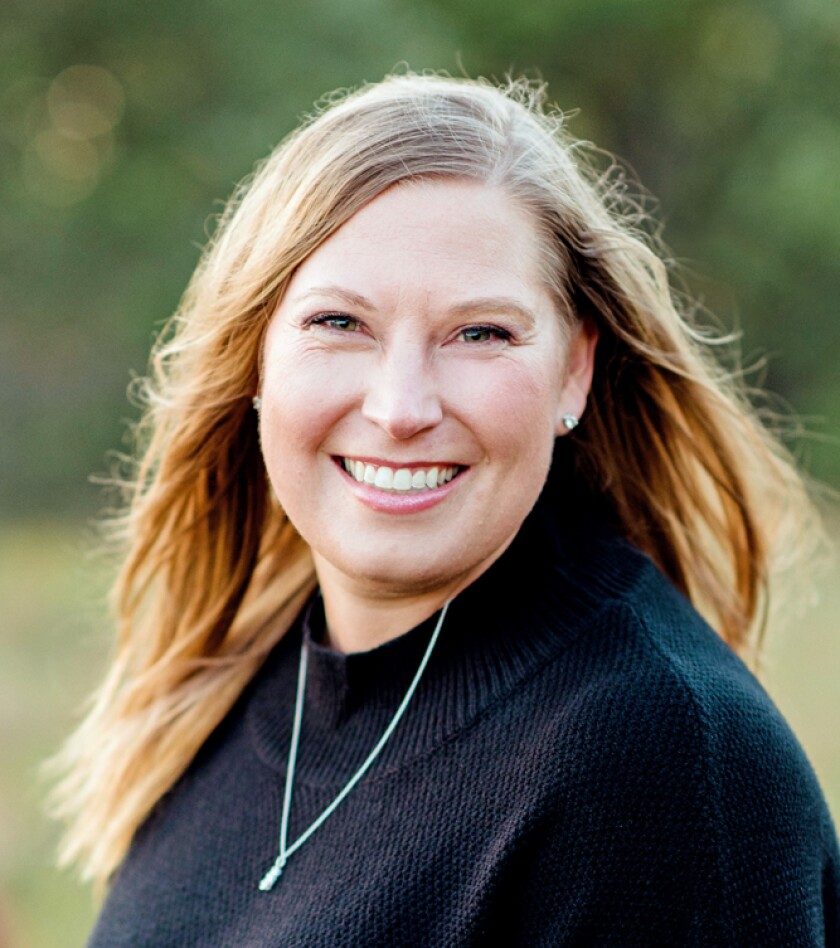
(399, 478)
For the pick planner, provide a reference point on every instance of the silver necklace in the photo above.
(284, 850)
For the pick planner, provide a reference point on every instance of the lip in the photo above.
(394, 502)
(384, 462)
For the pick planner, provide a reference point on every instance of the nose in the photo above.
(401, 393)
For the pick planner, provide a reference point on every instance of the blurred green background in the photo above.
(123, 125)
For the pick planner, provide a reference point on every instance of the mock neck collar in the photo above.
(520, 613)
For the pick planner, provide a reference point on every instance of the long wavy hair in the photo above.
(213, 573)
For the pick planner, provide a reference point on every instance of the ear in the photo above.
(580, 364)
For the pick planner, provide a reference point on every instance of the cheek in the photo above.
(513, 405)
(292, 424)
(303, 393)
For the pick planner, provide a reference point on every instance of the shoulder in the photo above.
(672, 750)
(676, 806)
(663, 683)
(639, 675)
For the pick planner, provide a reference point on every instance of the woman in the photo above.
(435, 482)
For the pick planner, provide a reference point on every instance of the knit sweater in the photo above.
(585, 762)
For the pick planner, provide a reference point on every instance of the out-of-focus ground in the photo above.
(53, 646)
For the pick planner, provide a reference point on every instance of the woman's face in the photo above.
(414, 378)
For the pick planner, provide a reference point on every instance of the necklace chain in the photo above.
(284, 851)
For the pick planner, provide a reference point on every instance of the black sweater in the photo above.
(584, 763)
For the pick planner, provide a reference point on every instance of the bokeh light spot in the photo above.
(85, 101)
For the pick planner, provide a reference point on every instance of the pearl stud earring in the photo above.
(570, 422)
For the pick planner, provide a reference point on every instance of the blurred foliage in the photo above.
(123, 125)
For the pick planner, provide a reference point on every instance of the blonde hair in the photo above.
(213, 572)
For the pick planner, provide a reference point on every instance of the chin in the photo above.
(390, 577)
(393, 577)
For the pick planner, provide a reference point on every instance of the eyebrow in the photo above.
(339, 292)
(471, 308)
(495, 304)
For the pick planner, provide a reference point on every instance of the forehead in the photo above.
(448, 236)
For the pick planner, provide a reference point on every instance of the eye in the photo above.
(339, 321)
(479, 334)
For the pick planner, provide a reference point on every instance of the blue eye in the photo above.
(479, 334)
(339, 321)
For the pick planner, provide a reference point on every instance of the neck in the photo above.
(360, 618)
(358, 624)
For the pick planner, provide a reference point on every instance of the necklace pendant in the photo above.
(270, 878)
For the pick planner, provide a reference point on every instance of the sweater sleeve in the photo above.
(684, 812)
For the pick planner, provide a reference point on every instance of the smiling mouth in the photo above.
(400, 480)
